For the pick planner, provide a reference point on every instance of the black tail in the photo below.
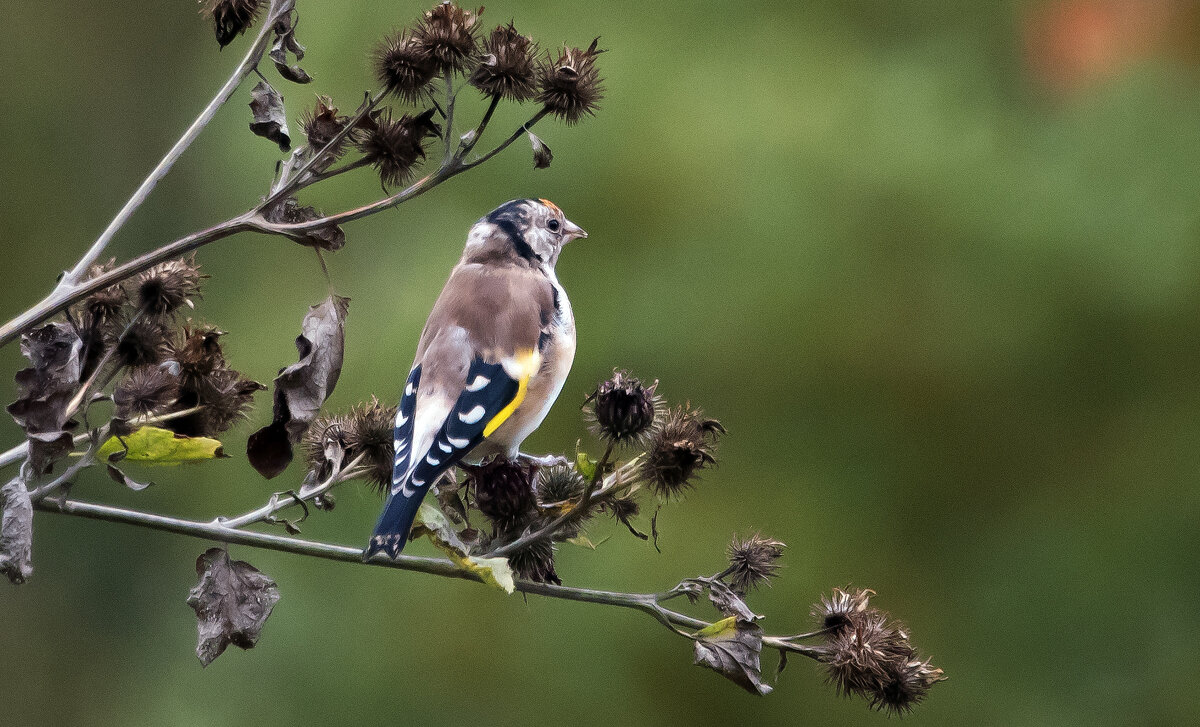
(391, 531)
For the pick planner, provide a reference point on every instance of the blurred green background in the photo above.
(934, 264)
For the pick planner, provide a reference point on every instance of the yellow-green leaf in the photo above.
(585, 465)
(155, 446)
(494, 571)
(726, 627)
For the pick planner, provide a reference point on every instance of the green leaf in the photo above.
(586, 466)
(494, 571)
(151, 445)
(731, 647)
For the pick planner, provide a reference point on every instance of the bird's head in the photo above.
(527, 231)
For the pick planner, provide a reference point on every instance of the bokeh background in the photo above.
(934, 264)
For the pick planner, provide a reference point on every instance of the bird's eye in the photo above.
(553, 225)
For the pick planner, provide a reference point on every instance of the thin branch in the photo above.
(505, 144)
(644, 602)
(448, 154)
(276, 503)
(246, 67)
(58, 301)
(483, 123)
(291, 181)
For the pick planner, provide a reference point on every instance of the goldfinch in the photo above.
(492, 359)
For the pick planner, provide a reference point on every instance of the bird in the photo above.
(491, 360)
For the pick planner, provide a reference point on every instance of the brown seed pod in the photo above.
(447, 35)
(570, 86)
(404, 67)
(680, 447)
(395, 146)
(508, 68)
(752, 561)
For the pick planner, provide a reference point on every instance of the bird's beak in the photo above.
(572, 231)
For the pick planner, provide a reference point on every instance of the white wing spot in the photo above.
(479, 383)
(417, 482)
(408, 492)
(408, 389)
(400, 444)
(472, 416)
(445, 447)
(401, 420)
(435, 462)
(458, 443)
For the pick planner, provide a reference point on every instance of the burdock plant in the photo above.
(126, 377)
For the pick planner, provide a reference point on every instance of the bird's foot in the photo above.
(548, 460)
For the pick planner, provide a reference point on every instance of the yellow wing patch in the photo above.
(526, 365)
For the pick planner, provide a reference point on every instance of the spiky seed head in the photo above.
(535, 562)
(230, 18)
(147, 341)
(404, 66)
(146, 390)
(508, 68)
(503, 492)
(753, 561)
(570, 86)
(559, 483)
(447, 35)
(680, 447)
(162, 289)
(105, 305)
(227, 397)
(325, 435)
(198, 353)
(394, 146)
(867, 654)
(841, 607)
(368, 431)
(322, 125)
(624, 409)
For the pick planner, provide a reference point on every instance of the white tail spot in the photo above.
(472, 416)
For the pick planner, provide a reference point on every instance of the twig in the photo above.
(246, 67)
(275, 504)
(248, 221)
(644, 602)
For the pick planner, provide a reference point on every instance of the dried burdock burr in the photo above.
(395, 146)
(447, 35)
(570, 86)
(230, 18)
(166, 287)
(753, 561)
(503, 492)
(535, 562)
(404, 66)
(146, 390)
(681, 445)
(624, 409)
(321, 125)
(146, 340)
(368, 431)
(508, 67)
(105, 305)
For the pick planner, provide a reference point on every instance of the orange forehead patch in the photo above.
(550, 204)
